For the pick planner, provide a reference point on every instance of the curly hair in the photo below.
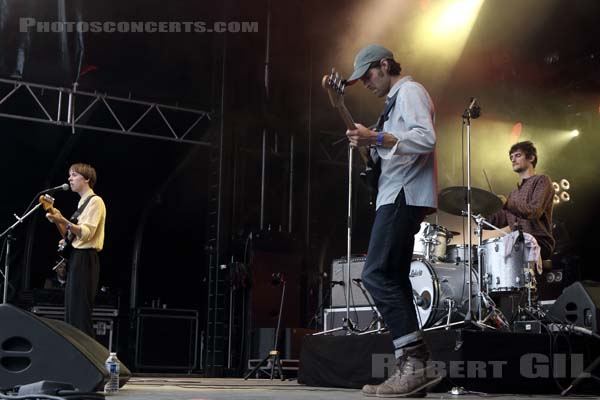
(527, 148)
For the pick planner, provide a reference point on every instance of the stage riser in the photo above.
(491, 362)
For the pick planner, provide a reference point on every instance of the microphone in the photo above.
(420, 301)
(64, 186)
(473, 111)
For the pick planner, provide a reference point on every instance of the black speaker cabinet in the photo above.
(34, 349)
(166, 339)
(579, 304)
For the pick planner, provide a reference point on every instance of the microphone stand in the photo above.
(376, 316)
(348, 325)
(9, 238)
(473, 111)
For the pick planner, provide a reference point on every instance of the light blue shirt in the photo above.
(411, 164)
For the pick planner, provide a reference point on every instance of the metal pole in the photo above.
(349, 230)
(262, 180)
(6, 270)
(291, 200)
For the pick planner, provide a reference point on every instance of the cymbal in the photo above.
(453, 200)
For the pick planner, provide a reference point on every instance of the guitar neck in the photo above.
(349, 121)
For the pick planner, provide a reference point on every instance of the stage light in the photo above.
(565, 197)
(455, 16)
(444, 28)
(556, 199)
(556, 187)
(565, 184)
(574, 133)
(515, 132)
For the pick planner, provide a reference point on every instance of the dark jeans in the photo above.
(387, 268)
(82, 285)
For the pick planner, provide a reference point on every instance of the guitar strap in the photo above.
(75, 217)
(385, 115)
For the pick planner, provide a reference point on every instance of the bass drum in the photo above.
(434, 285)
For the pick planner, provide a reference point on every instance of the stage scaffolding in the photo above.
(61, 107)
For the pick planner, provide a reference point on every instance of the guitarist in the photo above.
(404, 144)
(86, 233)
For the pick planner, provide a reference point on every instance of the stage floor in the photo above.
(157, 388)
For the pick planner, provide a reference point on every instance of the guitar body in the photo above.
(370, 177)
(64, 250)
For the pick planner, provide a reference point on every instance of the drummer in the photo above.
(529, 205)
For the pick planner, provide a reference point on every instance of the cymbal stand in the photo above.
(483, 293)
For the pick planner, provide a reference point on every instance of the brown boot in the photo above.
(413, 378)
(370, 390)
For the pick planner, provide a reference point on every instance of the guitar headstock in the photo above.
(335, 85)
(47, 202)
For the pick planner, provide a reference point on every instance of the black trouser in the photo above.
(387, 268)
(82, 285)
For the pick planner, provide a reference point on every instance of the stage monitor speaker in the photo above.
(338, 274)
(579, 304)
(33, 349)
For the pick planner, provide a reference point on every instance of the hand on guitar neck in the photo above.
(358, 135)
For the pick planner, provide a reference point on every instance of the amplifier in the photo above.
(360, 316)
(339, 269)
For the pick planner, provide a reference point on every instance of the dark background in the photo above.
(535, 63)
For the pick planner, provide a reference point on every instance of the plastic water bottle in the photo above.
(112, 366)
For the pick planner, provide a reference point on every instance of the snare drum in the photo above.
(457, 254)
(434, 284)
(506, 269)
(433, 238)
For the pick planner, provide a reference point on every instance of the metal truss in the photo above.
(177, 123)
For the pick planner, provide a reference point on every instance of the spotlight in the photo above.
(556, 187)
(556, 199)
(564, 196)
(565, 184)
(574, 133)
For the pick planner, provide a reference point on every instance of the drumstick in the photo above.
(488, 181)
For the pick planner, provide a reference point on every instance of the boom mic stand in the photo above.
(274, 354)
(9, 238)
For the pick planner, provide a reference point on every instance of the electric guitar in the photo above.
(335, 85)
(64, 249)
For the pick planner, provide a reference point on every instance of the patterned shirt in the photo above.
(530, 206)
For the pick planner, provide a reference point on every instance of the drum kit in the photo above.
(450, 283)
